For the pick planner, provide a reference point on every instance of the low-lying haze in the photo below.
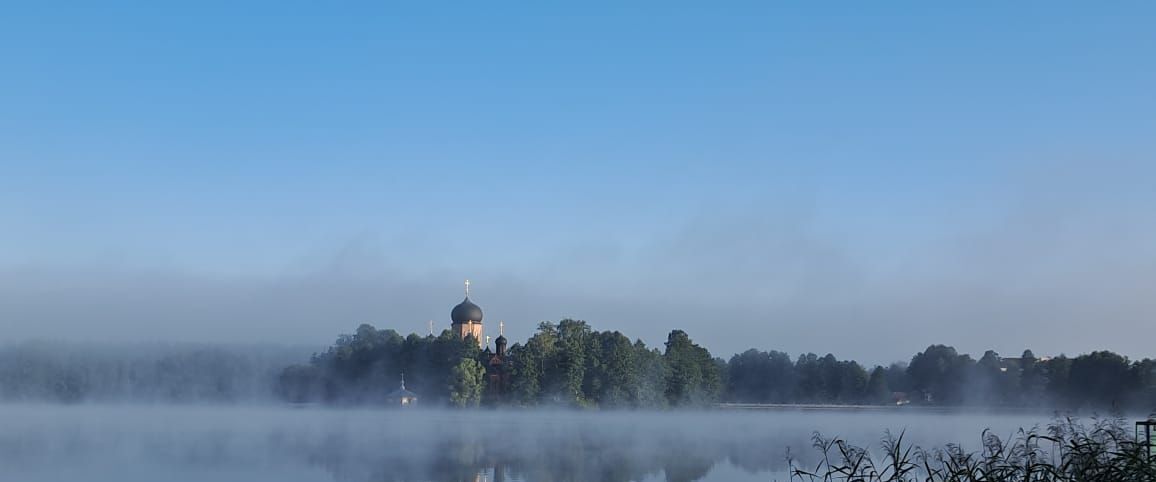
(1058, 265)
(258, 443)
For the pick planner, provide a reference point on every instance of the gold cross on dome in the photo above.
(501, 328)
(467, 288)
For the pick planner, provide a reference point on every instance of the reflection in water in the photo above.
(43, 443)
(554, 446)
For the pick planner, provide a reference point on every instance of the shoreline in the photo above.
(933, 409)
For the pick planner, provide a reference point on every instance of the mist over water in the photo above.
(230, 232)
(280, 443)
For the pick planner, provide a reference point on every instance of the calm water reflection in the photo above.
(182, 443)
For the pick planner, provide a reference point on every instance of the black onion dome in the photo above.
(466, 311)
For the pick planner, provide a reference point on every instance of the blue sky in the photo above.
(759, 174)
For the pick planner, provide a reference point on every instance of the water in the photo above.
(253, 443)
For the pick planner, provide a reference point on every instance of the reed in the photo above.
(1067, 450)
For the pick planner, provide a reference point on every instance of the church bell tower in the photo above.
(466, 318)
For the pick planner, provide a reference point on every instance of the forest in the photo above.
(569, 364)
(564, 364)
(57, 371)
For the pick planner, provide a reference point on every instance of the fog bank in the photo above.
(101, 442)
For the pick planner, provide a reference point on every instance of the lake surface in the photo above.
(286, 444)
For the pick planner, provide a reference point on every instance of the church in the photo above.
(466, 321)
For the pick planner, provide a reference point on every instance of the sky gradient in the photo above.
(848, 178)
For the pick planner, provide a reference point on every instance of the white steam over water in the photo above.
(253, 443)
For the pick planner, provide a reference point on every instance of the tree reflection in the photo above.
(567, 454)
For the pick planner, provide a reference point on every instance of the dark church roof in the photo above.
(401, 393)
(466, 311)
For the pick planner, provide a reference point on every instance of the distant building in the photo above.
(466, 318)
(466, 321)
(1017, 364)
(900, 398)
(401, 397)
(497, 367)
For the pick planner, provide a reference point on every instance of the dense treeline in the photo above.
(562, 364)
(63, 372)
(365, 366)
(941, 376)
(569, 364)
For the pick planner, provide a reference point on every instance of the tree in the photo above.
(897, 378)
(757, 376)
(571, 355)
(525, 373)
(1105, 379)
(612, 371)
(831, 379)
(694, 378)
(939, 374)
(535, 370)
(652, 375)
(1144, 374)
(569, 363)
(301, 383)
(782, 377)
(852, 382)
(469, 379)
(1057, 370)
(1032, 379)
(991, 382)
(877, 390)
(811, 385)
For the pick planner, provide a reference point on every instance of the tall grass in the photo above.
(1104, 450)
